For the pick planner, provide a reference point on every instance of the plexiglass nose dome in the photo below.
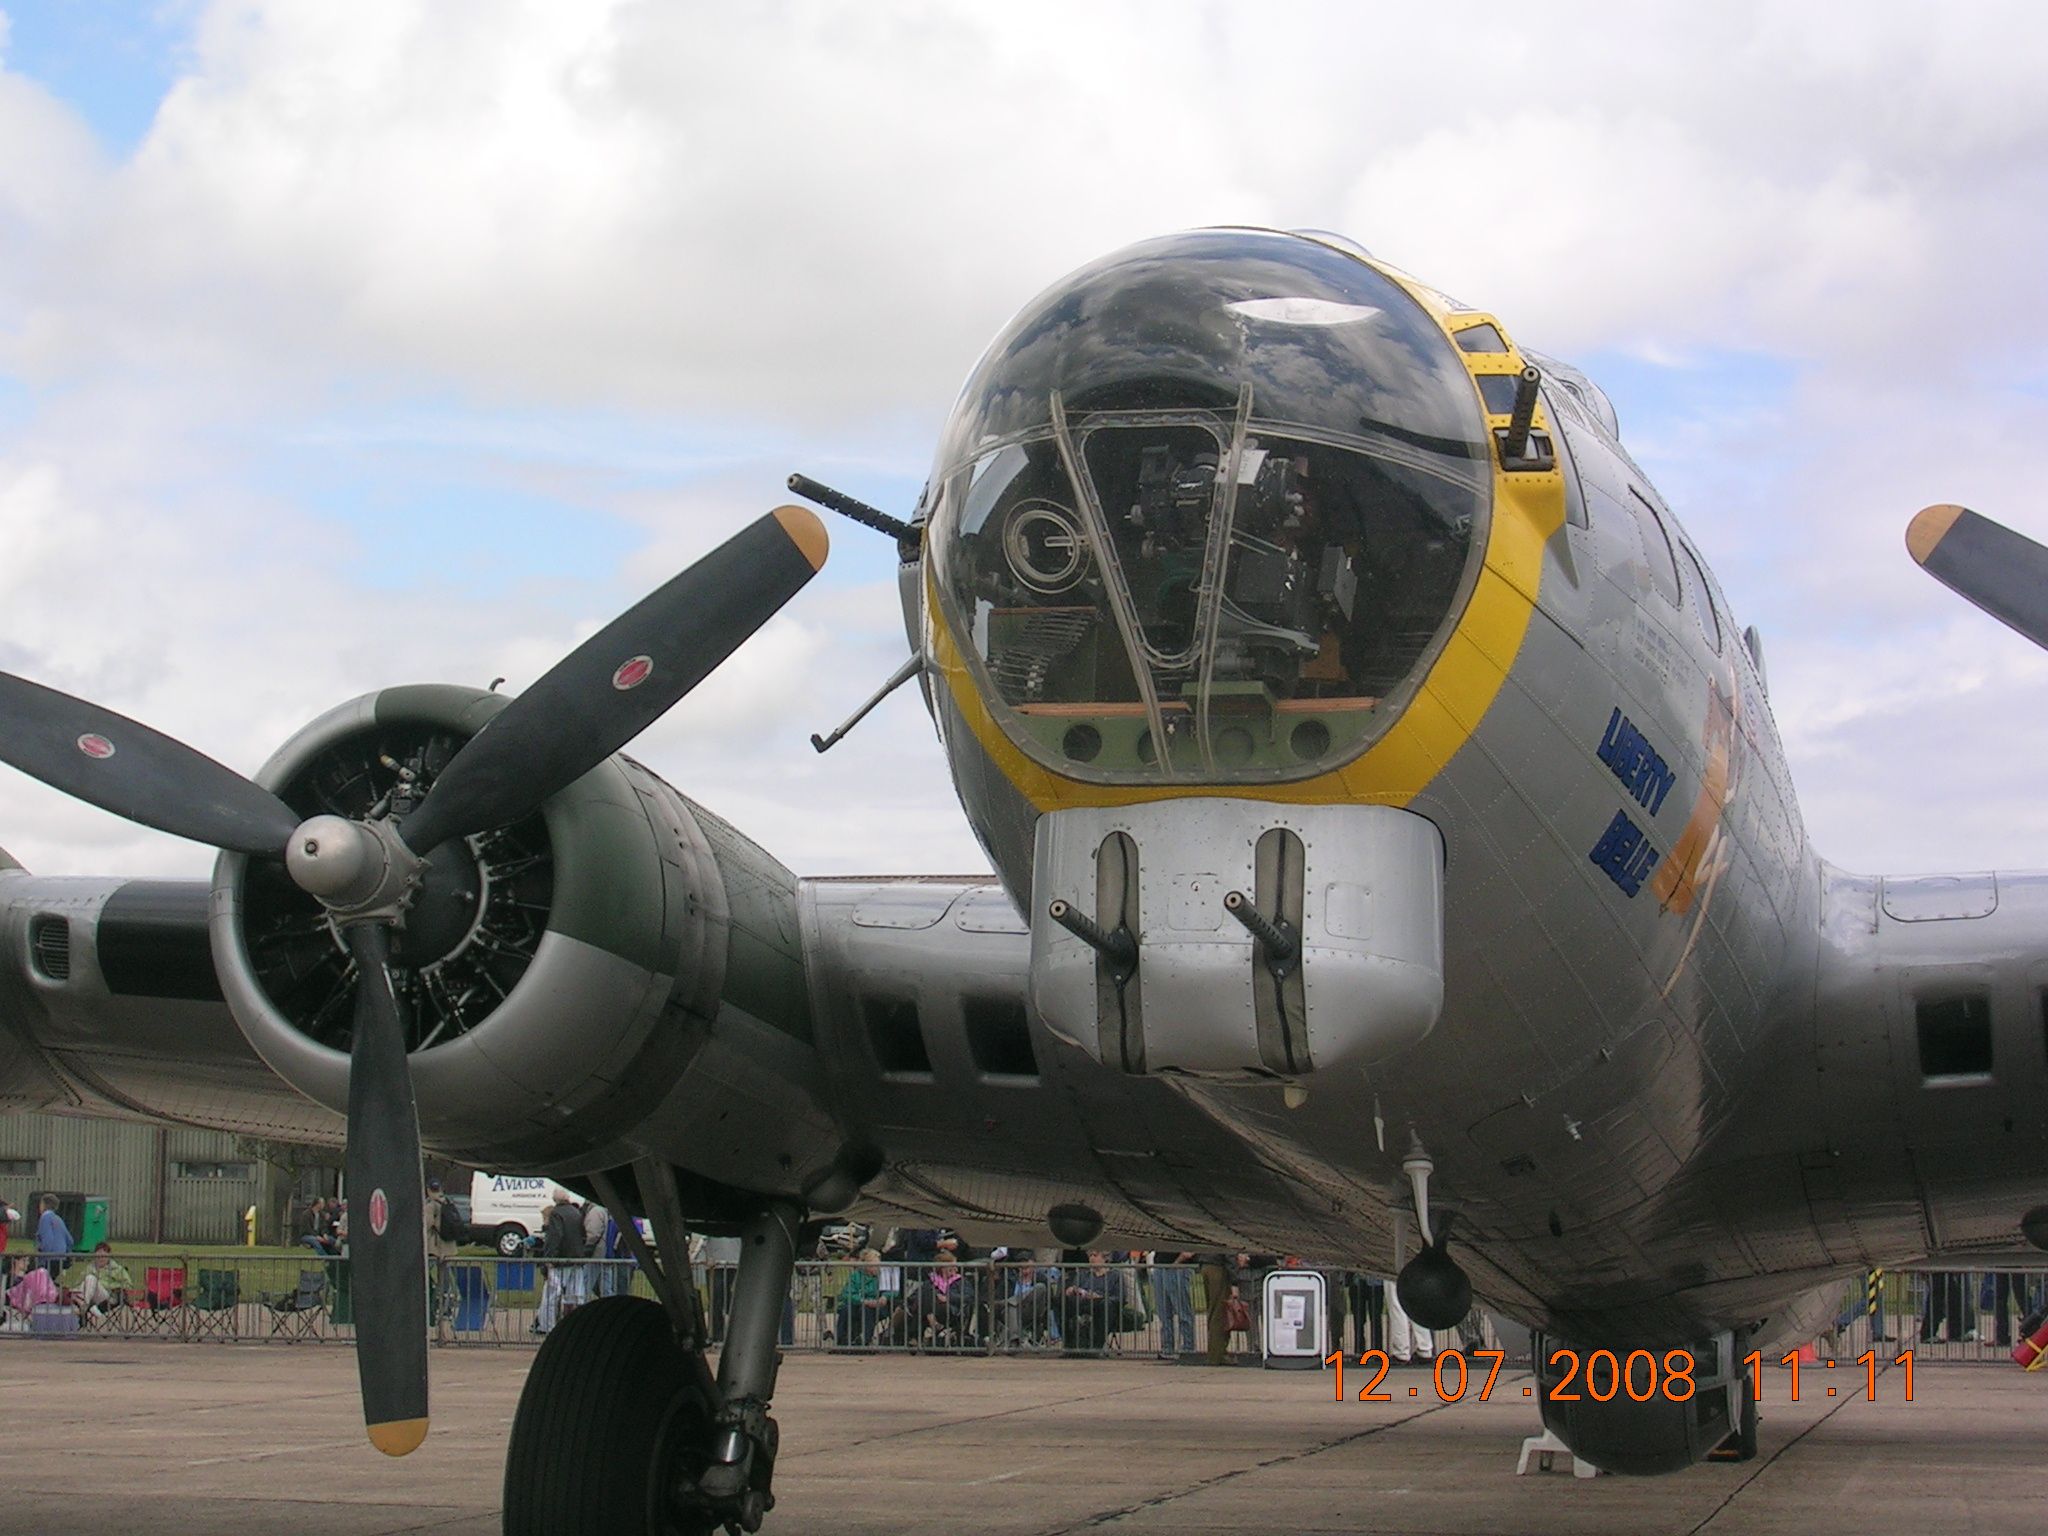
(1205, 511)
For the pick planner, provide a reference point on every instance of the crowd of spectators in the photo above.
(928, 1288)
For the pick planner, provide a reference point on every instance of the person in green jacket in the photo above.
(861, 1302)
(100, 1283)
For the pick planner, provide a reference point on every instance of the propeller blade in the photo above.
(621, 680)
(123, 766)
(387, 1244)
(2002, 572)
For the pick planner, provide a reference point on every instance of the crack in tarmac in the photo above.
(972, 1418)
(1772, 1460)
(1106, 1516)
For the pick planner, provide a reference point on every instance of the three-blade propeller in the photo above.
(2002, 572)
(589, 705)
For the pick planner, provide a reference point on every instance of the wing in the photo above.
(110, 1005)
(882, 1028)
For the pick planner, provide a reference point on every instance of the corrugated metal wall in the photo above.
(206, 1210)
(132, 1165)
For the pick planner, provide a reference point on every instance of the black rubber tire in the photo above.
(510, 1241)
(606, 1411)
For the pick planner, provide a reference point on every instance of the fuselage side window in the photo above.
(1701, 598)
(896, 1035)
(999, 1037)
(1657, 555)
(1955, 1038)
(1574, 496)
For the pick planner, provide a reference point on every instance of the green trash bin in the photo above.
(92, 1224)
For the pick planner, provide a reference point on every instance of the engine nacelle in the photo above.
(558, 972)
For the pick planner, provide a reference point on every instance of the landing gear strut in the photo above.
(622, 1430)
(735, 1483)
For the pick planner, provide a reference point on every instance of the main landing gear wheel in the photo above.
(609, 1425)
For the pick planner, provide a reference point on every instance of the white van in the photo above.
(505, 1209)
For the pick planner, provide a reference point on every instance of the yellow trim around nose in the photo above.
(1528, 509)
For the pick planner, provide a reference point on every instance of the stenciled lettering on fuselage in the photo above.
(1625, 851)
(1640, 767)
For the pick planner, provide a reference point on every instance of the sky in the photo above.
(344, 346)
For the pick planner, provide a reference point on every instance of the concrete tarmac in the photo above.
(166, 1439)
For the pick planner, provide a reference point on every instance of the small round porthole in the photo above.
(1082, 743)
(1310, 740)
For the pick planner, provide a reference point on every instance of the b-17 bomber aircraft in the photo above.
(1395, 863)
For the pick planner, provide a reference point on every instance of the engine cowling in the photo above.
(558, 973)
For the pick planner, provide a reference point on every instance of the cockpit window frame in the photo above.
(1385, 710)
(1278, 325)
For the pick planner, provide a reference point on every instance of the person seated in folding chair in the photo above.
(942, 1308)
(100, 1285)
(1095, 1305)
(1028, 1312)
(34, 1289)
(860, 1304)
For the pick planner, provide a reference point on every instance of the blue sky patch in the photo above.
(532, 494)
(1651, 397)
(422, 526)
(111, 62)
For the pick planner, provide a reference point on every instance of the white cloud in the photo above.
(789, 230)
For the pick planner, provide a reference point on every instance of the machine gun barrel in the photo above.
(905, 534)
(1278, 941)
(1516, 443)
(1118, 948)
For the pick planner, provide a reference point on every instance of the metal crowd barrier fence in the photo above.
(1941, 1315)
(1129, 1310)
(1118, 1310)
(310, 1299)
(984, 1308)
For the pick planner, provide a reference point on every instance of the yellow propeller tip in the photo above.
(1929, 527)
(398, 1437)
(806, 532)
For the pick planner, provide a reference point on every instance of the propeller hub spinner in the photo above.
(356, 869)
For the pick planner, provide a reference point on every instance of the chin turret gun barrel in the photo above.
(1119, 948)
(1275, 939)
